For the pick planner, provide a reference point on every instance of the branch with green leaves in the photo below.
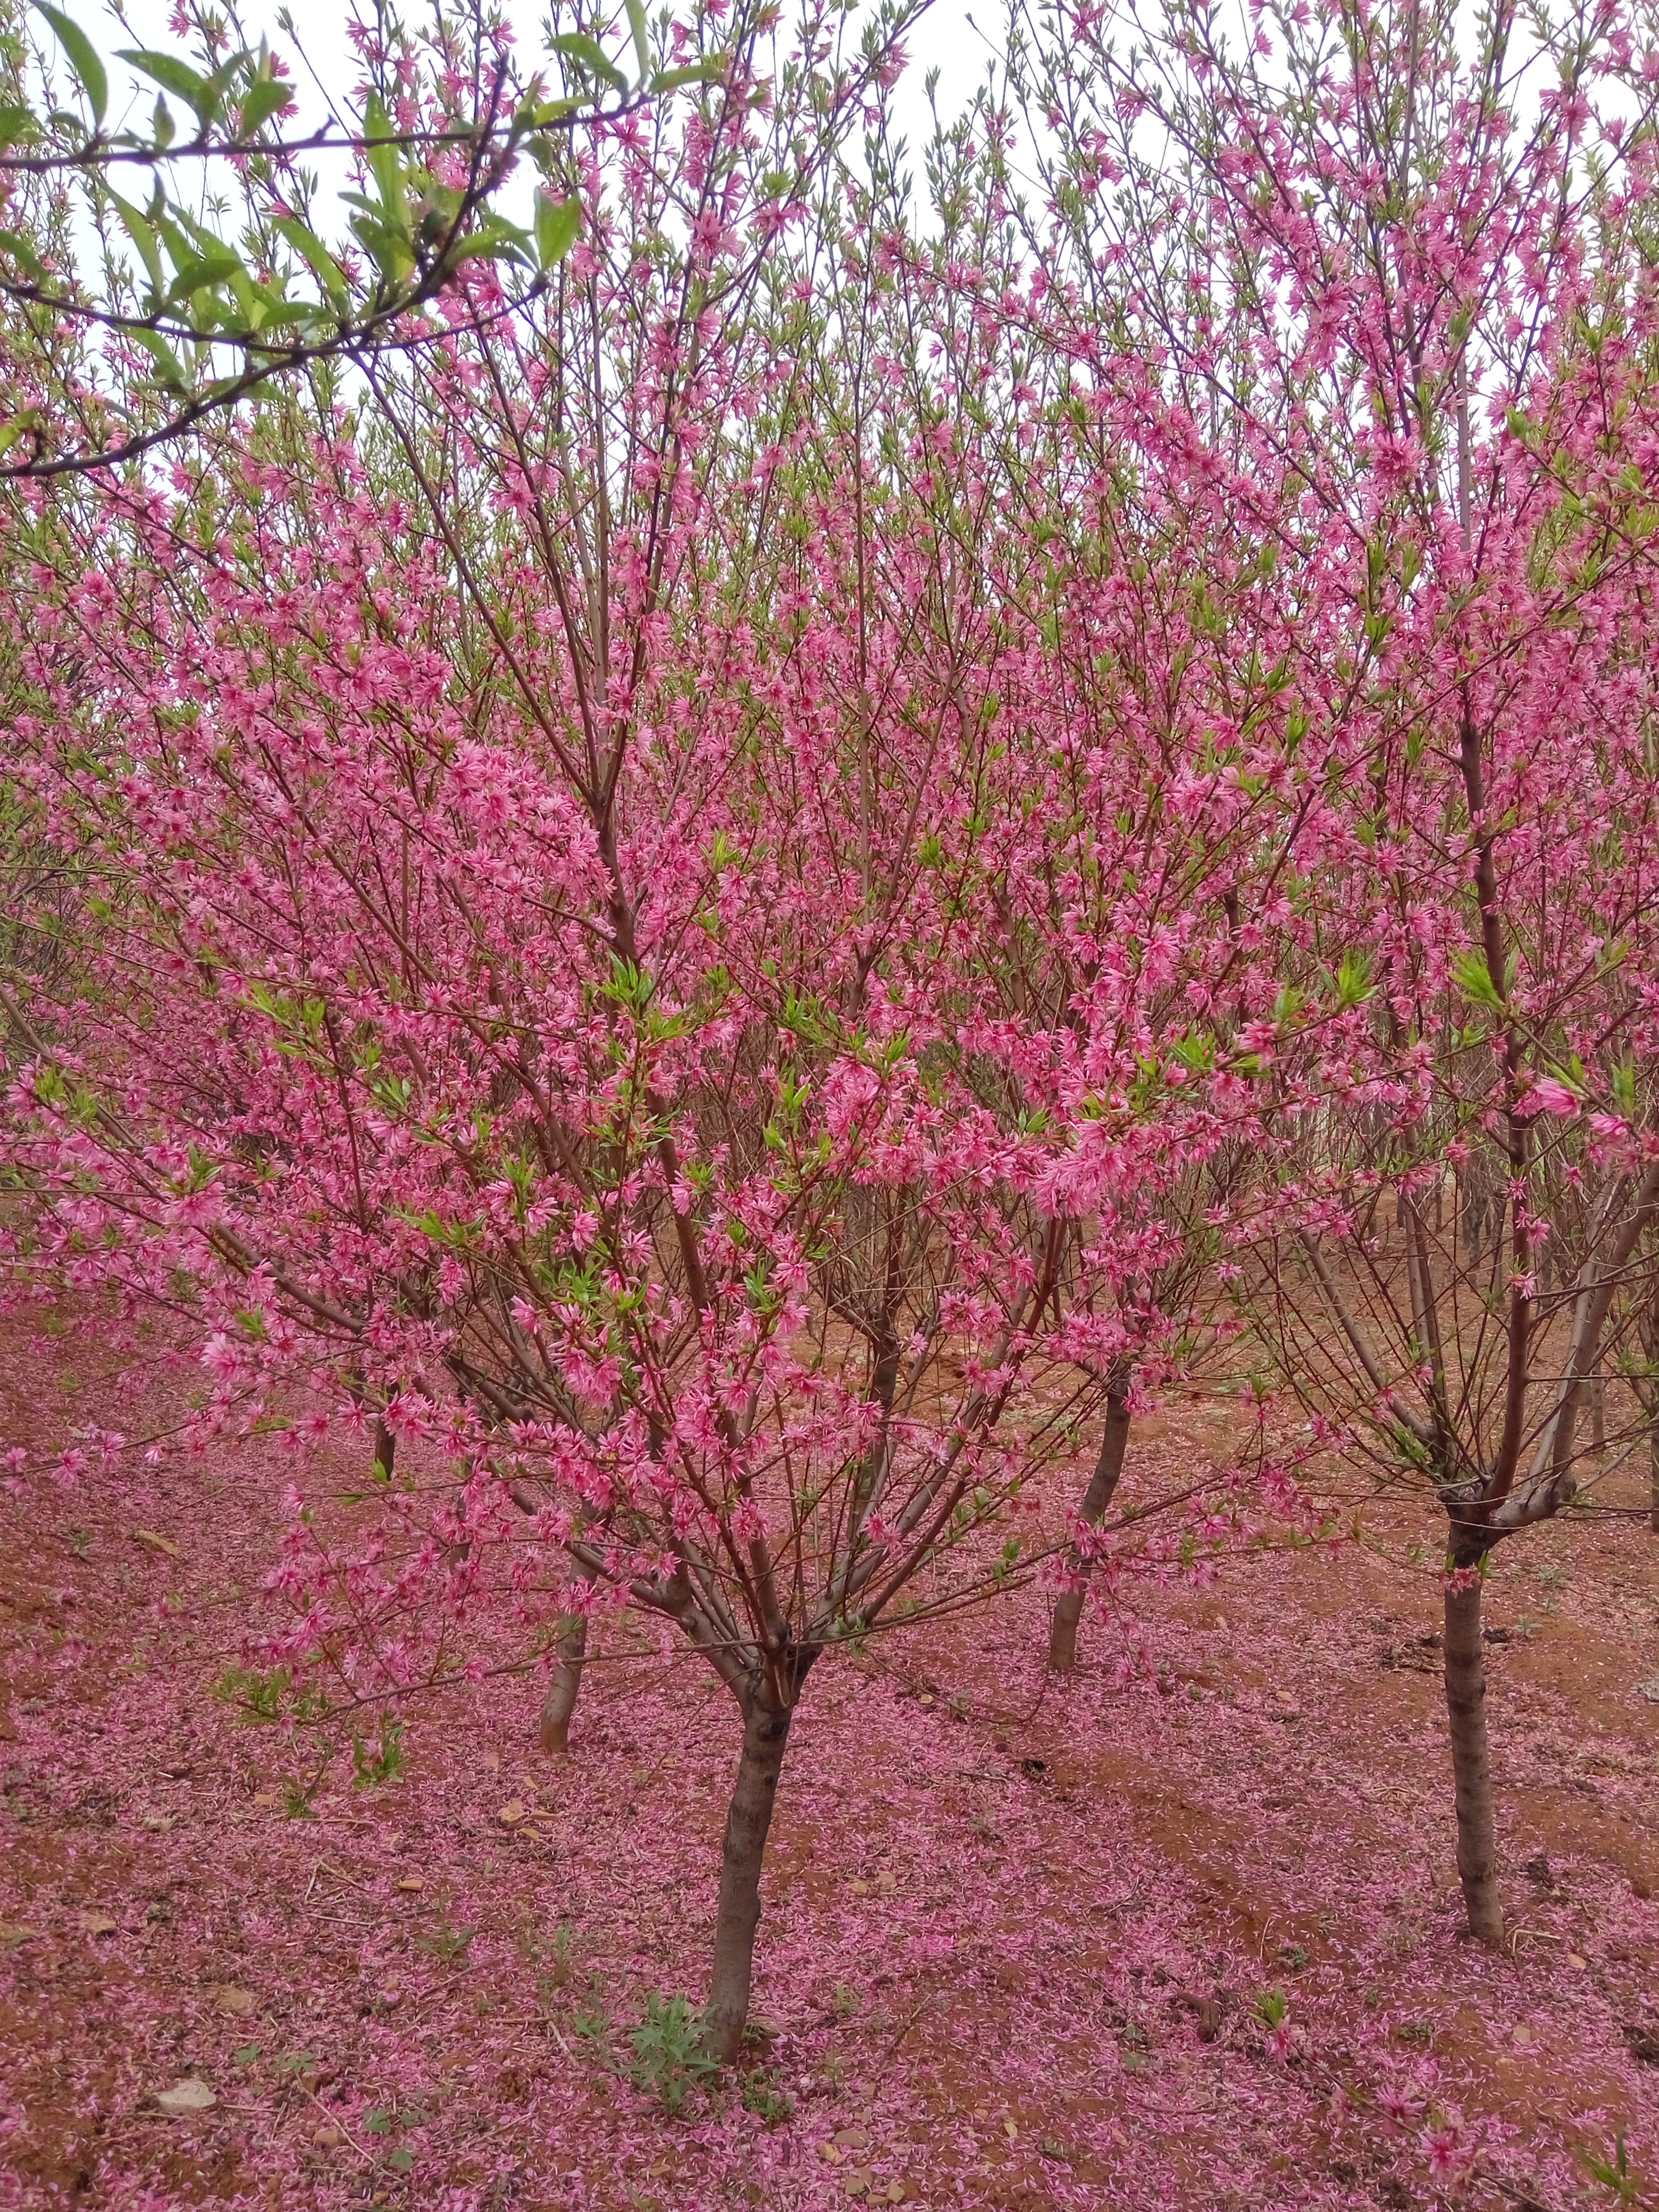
(212, 305)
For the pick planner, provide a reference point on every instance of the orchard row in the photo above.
(730, 869)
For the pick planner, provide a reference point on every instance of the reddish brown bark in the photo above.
(748, 1820)
(1068, 1606)
(1465, 1709)
(561, 1699)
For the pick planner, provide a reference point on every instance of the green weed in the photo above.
(669, 2058)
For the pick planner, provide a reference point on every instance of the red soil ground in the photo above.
(1019, 1937)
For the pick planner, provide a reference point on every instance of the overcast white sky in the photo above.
(944, 39)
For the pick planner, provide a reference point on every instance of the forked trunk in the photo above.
(561, 1699)
(1465, 1709)
(1068, 1606)
(765, 1735)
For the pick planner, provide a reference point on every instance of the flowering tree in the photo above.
(1107, 934)
(1403, 302)
(524, 1006)
(1096, 871)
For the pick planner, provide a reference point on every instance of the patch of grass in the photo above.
(764, 2095)
(298, 1798)
(557, 1960)
(369, 1769)
(448, 1944)
(670, 2058)
(257, 1695)
(592, 2021)
(1616, 2174)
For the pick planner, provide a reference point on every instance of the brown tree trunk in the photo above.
(1647, 1396)
(561, 1699)
(1598, 1398)
(765, 1735)
(386, 1448)
(1466, 1710)
(1068, 1606)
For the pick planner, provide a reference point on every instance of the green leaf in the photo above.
(266, 97)
(387, 249)
(494, 239)
(1623, 1085)
(174, 76)
(17, 248)
(222, 79)
(371, 1768)
(279, 312)
(179, 249)
(162, 123)
(692, 73)
(557, 223)
(317, 258)
(168, 371)
(377, 2123)
(537, 115)
(204, 241)
(1353, 981)
(203, 271)
(384, 165)
(497, 230)
(591, 56)
(17, 124)
(1473, 978)
(142, 234)
(636, 24)
(250, 297)
(401, 2160)
(82, 59)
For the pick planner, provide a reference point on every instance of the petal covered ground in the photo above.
(1180, 1932)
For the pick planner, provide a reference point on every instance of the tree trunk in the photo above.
(1068, 1606)
(765, 1734)
(1598, 1398)
(1465, 1709)
(386, 1448)
(1647, 1396)
(561, 1699)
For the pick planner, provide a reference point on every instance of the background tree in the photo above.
(1401, 303)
